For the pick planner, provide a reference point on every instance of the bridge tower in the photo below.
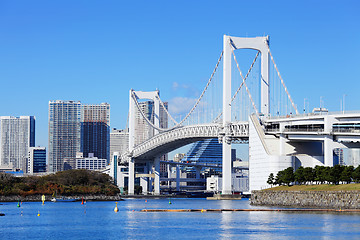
(229, 44)
(132, 122)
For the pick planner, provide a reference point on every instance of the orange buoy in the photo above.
(116, 209)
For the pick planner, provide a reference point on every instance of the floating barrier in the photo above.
(250, 210)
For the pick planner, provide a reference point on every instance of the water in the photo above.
(97, 220)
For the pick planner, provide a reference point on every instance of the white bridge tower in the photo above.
(232, 43)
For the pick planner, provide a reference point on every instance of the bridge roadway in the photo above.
(168, 141)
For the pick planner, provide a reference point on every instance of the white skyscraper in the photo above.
(17, 134)
(64, 132)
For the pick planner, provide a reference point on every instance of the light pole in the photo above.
(344, 95)
(321, 103)
(305, 105)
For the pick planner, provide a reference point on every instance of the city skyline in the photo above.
(105, 49)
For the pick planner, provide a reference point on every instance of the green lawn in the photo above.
(321, 187)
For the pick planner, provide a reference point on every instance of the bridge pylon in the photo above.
(229, 45)
(133, 96)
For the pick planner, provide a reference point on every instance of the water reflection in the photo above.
(68, 221)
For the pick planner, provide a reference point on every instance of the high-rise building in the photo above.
(143, 130)
(17, 134)
(95, 130)
(36, 160)
(119, 141)
(64, 132)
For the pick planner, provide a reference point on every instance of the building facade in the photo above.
(119, 141)
(64, 132)
(36, 160)
(17, 134)
(95, 130)
(90, 163)
(143, 130)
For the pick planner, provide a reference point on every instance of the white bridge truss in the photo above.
(167, 141)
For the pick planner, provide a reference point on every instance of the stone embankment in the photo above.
(308, 199)
(37, 198)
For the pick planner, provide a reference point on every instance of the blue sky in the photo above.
(96, 51)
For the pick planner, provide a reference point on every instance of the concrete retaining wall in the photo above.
(312, 199)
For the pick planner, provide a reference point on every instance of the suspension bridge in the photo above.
(256, 108)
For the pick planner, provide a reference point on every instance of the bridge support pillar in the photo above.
(157, 176)
(131, 182)
(282, 140)
(328, 151)
(144, 182)
(328, 141)
(226, 148)
(177, 177)
(226, 169)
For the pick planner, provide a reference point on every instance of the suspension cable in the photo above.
(282, 82)
(202, 94)
(237, 65)
(243, 82)
(143, 115)
(195, 105)
(166, 111)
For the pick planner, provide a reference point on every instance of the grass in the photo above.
(320, 187)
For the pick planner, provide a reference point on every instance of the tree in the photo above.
(289, 176)
(335, 173)
(270, 179)
(299, 175)
(346, 174)
(356, 175)
(309, 174)
(285, 176)
(320, 174)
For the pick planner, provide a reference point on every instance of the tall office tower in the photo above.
(36, 160)
(143, 130)
(17, 134)
(95, 130)
(119, 141)
(64, 132)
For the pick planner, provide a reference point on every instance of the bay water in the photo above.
(97, 220)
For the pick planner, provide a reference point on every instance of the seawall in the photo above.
(307, 199)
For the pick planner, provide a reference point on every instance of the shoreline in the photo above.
(37, 198)
(307, 199)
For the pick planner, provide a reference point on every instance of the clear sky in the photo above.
(96, 51)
